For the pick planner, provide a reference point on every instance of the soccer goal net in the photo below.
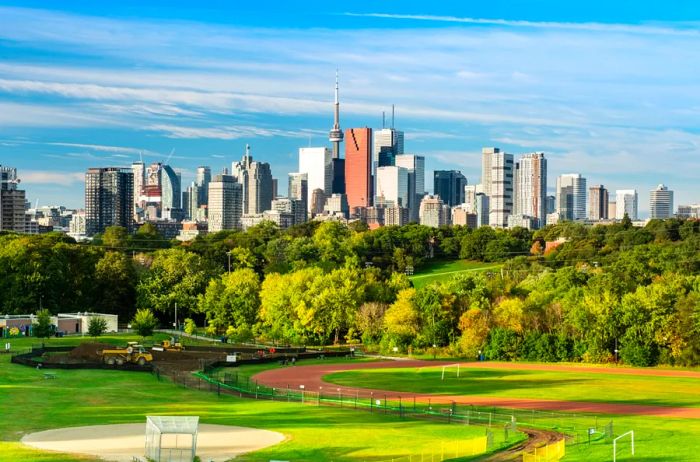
(450, 370)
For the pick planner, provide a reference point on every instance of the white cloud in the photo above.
(52, 177)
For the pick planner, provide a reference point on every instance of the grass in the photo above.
(656, 439)
(436, 271)
(561, 385)
(91, 397)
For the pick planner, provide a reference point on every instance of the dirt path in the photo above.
(123, 441)
(535, 438)
(312, 379)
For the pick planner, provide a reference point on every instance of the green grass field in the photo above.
(562, 385)
(90, 397)
(437, 271)
(656, 439)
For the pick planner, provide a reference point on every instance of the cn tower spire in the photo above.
(336, 134)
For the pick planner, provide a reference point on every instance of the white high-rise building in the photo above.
(318, 166)
(434, 213)
(139, 171)
(225, 203)
(470, 192)
(500, 181)
(392, 186)
(626, 203)
(486, 161)
(415, 165)
(531, 188)
(661, 202)
(571, 197)
(388, 143)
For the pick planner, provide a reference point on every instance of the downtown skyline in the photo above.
(139, 83)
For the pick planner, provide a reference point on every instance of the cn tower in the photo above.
(336, 134)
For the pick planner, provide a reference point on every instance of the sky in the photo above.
(606, 89)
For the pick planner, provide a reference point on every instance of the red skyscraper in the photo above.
(358, 167)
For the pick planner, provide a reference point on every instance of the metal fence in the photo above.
(502, 425)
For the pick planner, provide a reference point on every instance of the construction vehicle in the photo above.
(133, 353)
(169, 345)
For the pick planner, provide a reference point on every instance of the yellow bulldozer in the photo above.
(169, 345)
(133, 353)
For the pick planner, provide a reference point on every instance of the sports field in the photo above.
(656, 438)
(605, 385)
(437, 271)
(31, 403)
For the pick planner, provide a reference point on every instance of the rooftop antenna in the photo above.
(141, 156)
(392, 116)
(383, 120)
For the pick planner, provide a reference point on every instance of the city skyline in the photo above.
(522, 81)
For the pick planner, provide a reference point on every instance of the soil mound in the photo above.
(88, 351)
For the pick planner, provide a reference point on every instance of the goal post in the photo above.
(631, 435)
(447, 368)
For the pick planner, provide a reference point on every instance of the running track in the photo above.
(312, 379)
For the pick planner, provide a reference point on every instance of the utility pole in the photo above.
(175, 323)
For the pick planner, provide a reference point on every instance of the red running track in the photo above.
(312, 379)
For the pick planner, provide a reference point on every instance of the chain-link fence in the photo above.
(503, 425)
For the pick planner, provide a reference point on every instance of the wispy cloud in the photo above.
(575, 26)
(52, 177)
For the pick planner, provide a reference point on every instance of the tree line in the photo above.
(605, 293)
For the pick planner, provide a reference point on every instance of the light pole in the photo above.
(616, 351)
(175, 323)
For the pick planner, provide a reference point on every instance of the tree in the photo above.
(116, 284)
(232, 300)
(369, 321)
(115, 237)
(175, 276)
(43, 327)
(96, 326)
(402, 320)
(144, 323)
(190, 327)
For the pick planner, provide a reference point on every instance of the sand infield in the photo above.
(120, 443)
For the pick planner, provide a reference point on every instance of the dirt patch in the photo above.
(122, 442)
(89, 351)
(535, 438)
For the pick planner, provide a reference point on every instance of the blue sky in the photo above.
(610, 91)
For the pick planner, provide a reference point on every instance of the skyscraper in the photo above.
(225, 203)
(598, 203)
(317, 164)
(500, 181)
(336, 134)
(571, 197)
(12, 202)
(486, 161)
(298, 189)
(171, 188)
(415, 165)
(433, 212)
(202, 181)
(139, 171)
(358, 167)
(392, 186)
(449, 186)
(661, 202)
(256, 181)
(626, 203)
(531, 188)
(388, 143)
(108, 199)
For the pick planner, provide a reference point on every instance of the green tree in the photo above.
(232, 300)
(144, 322)
(115, 237)
(175, 276)
(116, 283)
(190, 327)
(96, 326)
(402, 320)
(43, 327)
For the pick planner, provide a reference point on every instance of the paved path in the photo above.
(312, 379)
